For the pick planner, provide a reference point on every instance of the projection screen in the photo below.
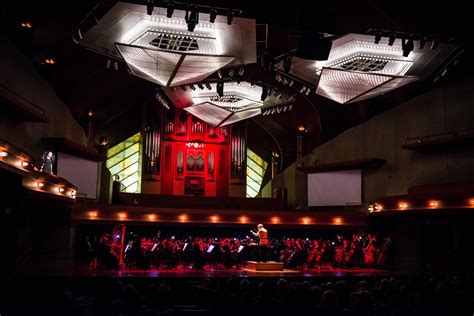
(335, 188)
(80, 172)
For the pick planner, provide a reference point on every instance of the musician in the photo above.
(262, 235)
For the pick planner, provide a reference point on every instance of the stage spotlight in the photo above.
(219, 74)
(150, 5)
(116, 66)
(208, 86)
(192, 19)
(108, 63)
(183, 87)
(284, 81)
(291, 83)
(308, 90)
(200, 85)
(220, 88)
(391, 39)
(422, 42)
(231, 72)
(212, 15)
(407, 46)
(241, 70)
(192, 87)
(303, 89)
(230, 17)
(252, 84)
(287, 63)
(378, 37)
(434, 44)
(170, 9)
(277, 77)
(264, 93)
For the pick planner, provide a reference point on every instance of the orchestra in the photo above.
(169, 252)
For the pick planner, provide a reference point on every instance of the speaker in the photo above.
(313, 46)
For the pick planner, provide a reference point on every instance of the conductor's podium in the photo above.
(264, 266)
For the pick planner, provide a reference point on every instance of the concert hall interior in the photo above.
(165, 157)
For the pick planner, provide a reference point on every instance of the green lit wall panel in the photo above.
(124, 160)
(256, 168)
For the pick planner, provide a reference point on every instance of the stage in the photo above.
(82, 270)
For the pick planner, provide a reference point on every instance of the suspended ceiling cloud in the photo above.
(358, 69)
(240, 101)
(163, 51)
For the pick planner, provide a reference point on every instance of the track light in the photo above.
(291, 83)
(150, 5)
(231, 72)
(284, 81)
(212, 15)
(391, 39)
(108, 63)
(264, 93)
(422, 42)
(116, 65)
(200, 85)
(192, 87)
(277, 77)
(303, 89)
(241, 70)
(220, 88)
(287, 63)
(230, 17)
(170, 9)
(219, 74)
(434, 44)
(208, 86)
(378, 37)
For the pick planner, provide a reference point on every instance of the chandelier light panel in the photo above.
(162, 49)
(359, 69)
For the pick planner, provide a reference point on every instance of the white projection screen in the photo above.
(80, 172)
(335, 188)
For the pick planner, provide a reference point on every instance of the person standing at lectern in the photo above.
(262, 235)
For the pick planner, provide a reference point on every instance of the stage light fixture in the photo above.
(277, 77)
(241, 71)
(303, 89)
(219, 74)
(192, 87)
(150, 5)
(291, 83)
(170, 9)
(287, 61)
(231, 72)
(192, 18)
(212, 15)
(391, 39)
(3, 154)
(200, 85)
(434, 44)
(116, 67)
(407, 46)
(284, 81)
(208, 86)
(378, 37)
(422, 42)
(108, 63)
(264, 93)
(220, 88)
(230, 17)
(308, 90)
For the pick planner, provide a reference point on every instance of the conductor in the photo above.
(262, 235)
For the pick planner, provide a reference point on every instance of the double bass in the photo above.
(369, 252)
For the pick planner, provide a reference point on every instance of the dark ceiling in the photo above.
(83, 82)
